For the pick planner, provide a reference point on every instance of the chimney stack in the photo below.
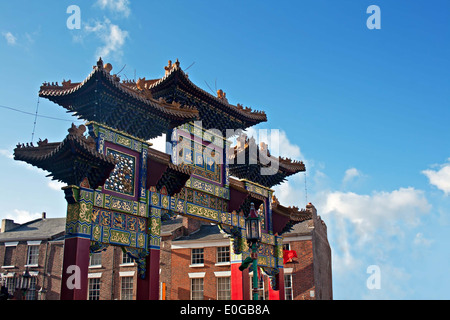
(8, 224)
(44, 215)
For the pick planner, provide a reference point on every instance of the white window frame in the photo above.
(291, 288)
(94, 276)
(192, 280)
(194, 263)
(126, 275)
(32, 245)
(223, 263)
(95, 256)
(223, 275)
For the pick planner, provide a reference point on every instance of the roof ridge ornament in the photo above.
(99, 63)
(222, 95)
(170, 66)
(79, 132)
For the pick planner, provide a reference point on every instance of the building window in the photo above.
(288, 287)
(224, 288)
(126, 289)
(11, 284)
(286, 246)
(197, 256)
(223, 254)
(9, 252)
(31, 292)
(95, 259)
(261, 292)
(33, 255)
(197, 289)
(126, 259)
(94, 289)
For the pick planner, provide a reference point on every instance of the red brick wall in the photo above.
(52, 282)
(303, 270)
(181, 283)
(49, 266)
(322, 261)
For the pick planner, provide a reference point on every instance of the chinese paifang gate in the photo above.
(118, 188)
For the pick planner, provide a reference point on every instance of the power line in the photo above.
(38, 115)
(35, 119)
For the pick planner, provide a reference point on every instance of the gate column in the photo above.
(77, 243)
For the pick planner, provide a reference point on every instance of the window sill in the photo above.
(220, 264)
(7, 267)
(97, 266)
(130, 264)
(31, 265)
(197, 265)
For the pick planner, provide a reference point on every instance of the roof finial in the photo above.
(222, 95)
(168, 67)
(100, 63)
(108, 67)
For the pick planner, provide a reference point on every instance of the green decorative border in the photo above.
(103, 200)
(256, 188)
(204, 186)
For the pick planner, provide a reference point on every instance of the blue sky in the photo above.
(367, 110)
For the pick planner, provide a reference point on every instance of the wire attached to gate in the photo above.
(35, 120)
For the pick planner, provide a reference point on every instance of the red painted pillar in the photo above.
(273, 294)
(236, 282)
(281, 291)
(240, 283)
(277, 294)
(74, 285)
(246, 288)
(148, 288)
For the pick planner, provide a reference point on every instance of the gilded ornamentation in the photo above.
(84, 214)
(120, 237)
(122, 178)
(202, 212)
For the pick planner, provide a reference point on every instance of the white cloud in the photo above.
(55, 185)
(6, 153)
(350, 174)
(10, 38)
(278, 142)
(292, 191)
(112, 37)
(159, 143)
(22, 216)
(118, 6)
(366, 229)
(379, 212)
(440, 178)
(419, 239)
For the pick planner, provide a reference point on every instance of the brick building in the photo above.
(200, 263)
(196, 263)
(37, 246)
